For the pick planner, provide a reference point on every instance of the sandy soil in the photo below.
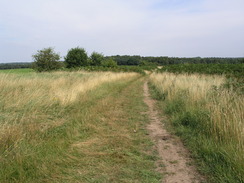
(177, 166)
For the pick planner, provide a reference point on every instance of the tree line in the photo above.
(138, 60)
(236, 70)
(47, 59)
(13, 65)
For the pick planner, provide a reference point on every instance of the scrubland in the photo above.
(210, 119)
(73, 127)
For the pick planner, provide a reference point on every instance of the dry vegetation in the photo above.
(80, 126)
(26, 99)
(63, 127)
(49, 88)
(201, 103)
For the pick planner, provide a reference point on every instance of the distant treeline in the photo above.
(236, 70)
(139, 60)
(15, 65)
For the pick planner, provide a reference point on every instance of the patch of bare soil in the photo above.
(173, 156)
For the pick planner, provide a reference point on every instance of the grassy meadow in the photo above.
(83, 126)
(74, 127)
(208, 117)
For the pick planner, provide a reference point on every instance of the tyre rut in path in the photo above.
(172, 154)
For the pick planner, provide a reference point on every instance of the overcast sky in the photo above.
(179, 28)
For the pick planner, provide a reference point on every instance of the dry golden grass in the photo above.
(52, 87)
(73, 127)
(225, 106)
(197, 85)
(25, 100)
(201, 95)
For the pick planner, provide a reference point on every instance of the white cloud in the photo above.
(156, 27)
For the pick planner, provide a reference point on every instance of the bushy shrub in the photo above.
(96, 59)
(76, 57)
(109, 63)
(46, 60)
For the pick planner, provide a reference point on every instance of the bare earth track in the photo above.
(172, 154)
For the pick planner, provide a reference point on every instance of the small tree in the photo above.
(76, 57)
(46, 60)
(96, 58)
(109, 63)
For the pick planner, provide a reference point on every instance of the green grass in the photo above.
(89, 140)
(17, 71)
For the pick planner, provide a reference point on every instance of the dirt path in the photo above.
(174, 157)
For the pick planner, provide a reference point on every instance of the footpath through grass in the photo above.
(99, 137)
(209, 118)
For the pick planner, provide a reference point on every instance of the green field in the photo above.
(16, 71)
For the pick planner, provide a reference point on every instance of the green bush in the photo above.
(96, 59)
(109, 63)
(46, 60)
(76, 57)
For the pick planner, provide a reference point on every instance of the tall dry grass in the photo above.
(73, 127)
(225, 106)
(17, 90)
(28, 102)
(225, 109)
